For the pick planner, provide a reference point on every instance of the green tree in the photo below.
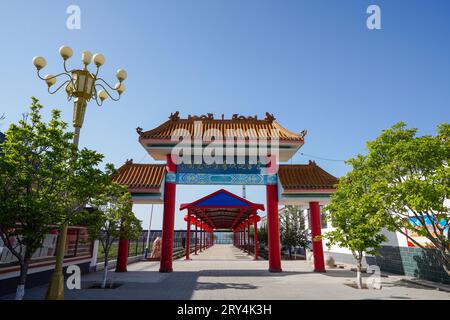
(293, 229)
(411, 177)
(38, 163)
(263, 234)
(112, 219)
(355, 216)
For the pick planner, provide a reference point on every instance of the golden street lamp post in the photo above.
(81, 86)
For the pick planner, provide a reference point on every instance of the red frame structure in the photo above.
(219, 214)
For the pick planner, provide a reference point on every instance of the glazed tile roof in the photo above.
(245, 127)
(292, 177)
(140, 176)
(305, 176)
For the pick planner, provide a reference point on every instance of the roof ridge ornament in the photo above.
(303, 133)
(175, 116)
(208, 116)
(312, 163)
(129, 161)
(139, 131)
(269, 117)
(236, 116)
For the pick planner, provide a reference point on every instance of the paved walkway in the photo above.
(224, 272)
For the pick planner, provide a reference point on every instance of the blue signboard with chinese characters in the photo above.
(223, 174)
(223, 168)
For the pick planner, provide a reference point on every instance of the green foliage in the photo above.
(32, 171)
(292, 227)
(112, 217)
(355, 216)
(412, 180)
(44, 181)
(403, 176)
(263, 234)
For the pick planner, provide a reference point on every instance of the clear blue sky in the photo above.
(314, 64)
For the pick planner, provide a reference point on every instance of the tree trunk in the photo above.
(20, 291)
(105, 272)
(358, 273)
(446, 270)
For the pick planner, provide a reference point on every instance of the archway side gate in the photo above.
(303, 184)
(223, 210)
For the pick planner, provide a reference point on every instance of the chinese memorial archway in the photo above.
(297, 184)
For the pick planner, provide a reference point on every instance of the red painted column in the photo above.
(273, 228)
(201, 234)
(188, 235)
(122, 255)
(239, 238)
(255, 238)
(196, 237)
(316, 226)
(248, 237)
(204, 240)
(241, 243)
(168, 217)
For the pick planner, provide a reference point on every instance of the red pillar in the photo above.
(255, 238)
(204, 239)
(316, 226)
(273, 228)
(168, 217)
(122, 255)
(188, 235)
(201, 235)
(240, 239)
(196, 237)
(248, 237)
